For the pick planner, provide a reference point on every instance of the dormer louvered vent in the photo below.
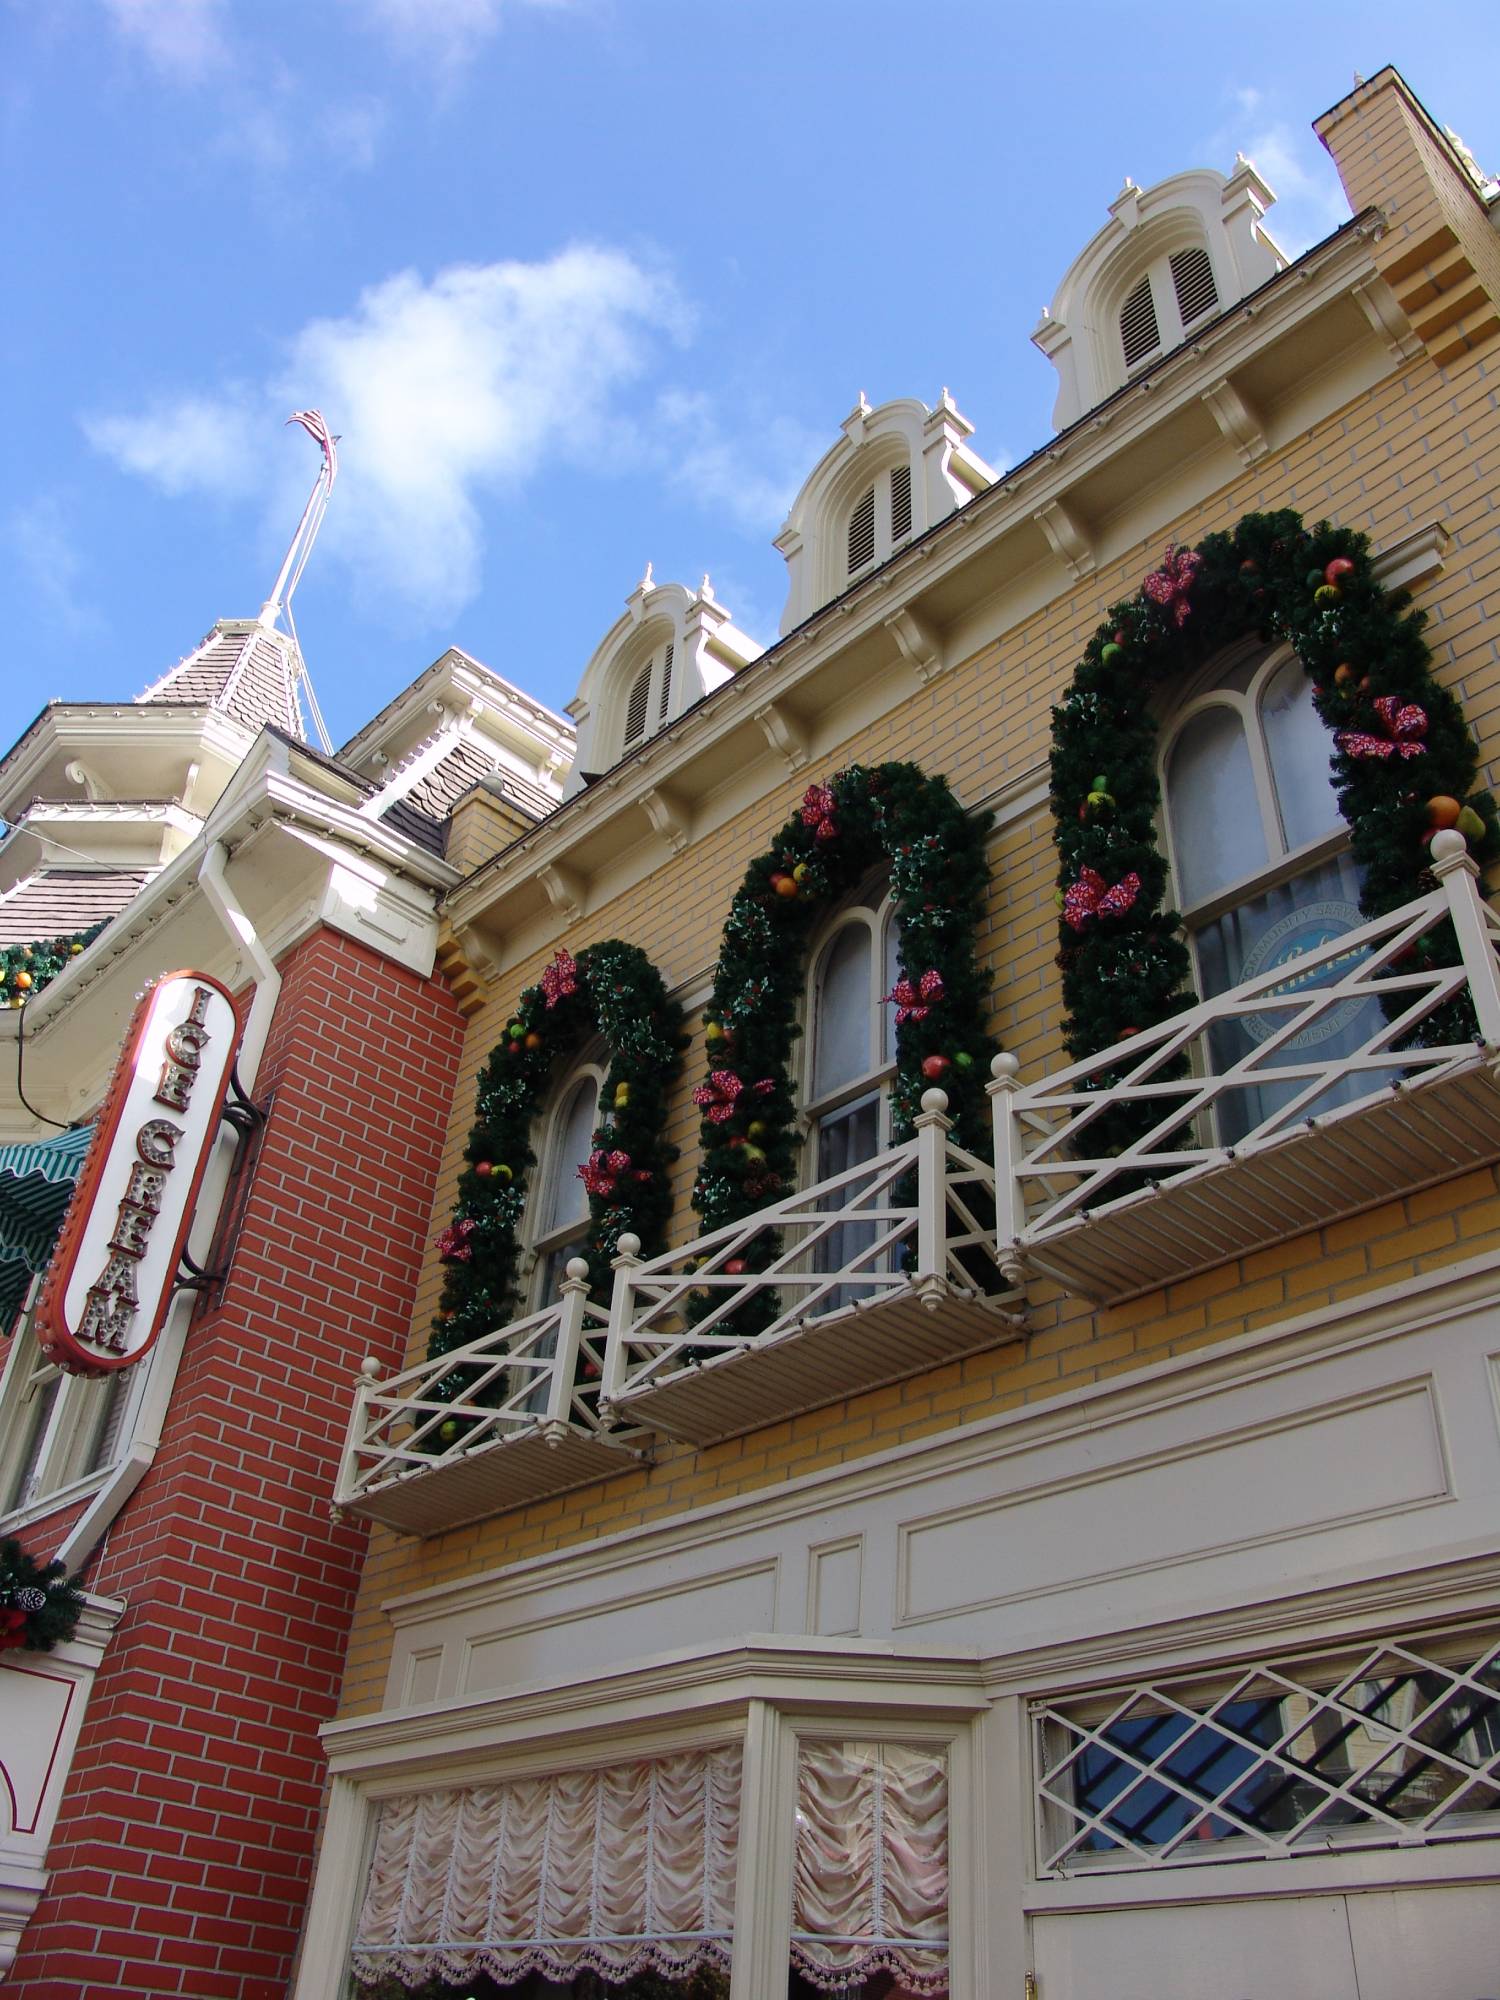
(636, 706)
(1193, 278)
(1138, 330)
(666, 684)
(900, 502)
(862, 533)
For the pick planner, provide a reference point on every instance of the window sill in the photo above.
(46, 1504)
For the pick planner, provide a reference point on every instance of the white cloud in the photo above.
(195, 444)
(184, 39)
(445, 33)
(753, 478)
(443, 390)
(38, 538)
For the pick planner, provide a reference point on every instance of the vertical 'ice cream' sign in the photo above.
(112, 1275)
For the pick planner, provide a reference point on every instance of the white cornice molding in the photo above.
(767, 688)
(800, 1672)
(1373, 1317)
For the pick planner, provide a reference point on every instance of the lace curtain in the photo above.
(619, 1871)
(870, 1891)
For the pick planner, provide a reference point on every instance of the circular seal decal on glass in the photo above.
(1286, 942)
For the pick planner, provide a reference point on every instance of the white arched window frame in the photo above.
(1260, 861)
(645, 694)
(876, 517)
(558, 1208)
(849, 1046)
(1160, 302)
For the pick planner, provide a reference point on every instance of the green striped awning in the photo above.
(36, 1179)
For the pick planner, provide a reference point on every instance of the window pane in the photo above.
(1217, 836)
(1300, 749)
(565, 1197)
(842, 1027)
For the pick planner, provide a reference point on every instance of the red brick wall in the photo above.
(181, 1859)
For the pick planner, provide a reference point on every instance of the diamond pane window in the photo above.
(1398, 1743)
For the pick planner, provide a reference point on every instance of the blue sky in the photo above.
(582, 283)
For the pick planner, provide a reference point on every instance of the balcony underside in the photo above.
(820, 1361)
(500, 1473)
(1389, 1146)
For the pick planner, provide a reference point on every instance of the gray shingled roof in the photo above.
(244, 669)
(422, 813)
(55, 902)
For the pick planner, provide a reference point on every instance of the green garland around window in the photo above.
(1404, 761)
(40, 1605)
(895, 814)
(611, 989)
(26, 968)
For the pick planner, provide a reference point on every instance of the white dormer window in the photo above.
(1166, 302)
(881, 519)
(650, 696)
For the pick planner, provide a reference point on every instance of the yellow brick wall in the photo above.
(1424, 446)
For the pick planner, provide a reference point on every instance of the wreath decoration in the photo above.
(936, 850)
(40, 1605)
(1404, 760)
(26, 968)
(612, 989)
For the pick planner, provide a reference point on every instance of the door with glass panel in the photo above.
(1262, 873)
(851, 1059)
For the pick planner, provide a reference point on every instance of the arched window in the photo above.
(649, 699)
(559, 1205)
(1259, 852)
(880, 520)
(850, 1061)
(1166, 302)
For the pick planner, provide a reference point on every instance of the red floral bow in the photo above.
(453, 1245)
(916, 999)
(718, 1095)
(560, 979)
(1088, 897)
(817, 812)
(12, 1626)
(1404, 727)
(602, 1172)
(1171, 584)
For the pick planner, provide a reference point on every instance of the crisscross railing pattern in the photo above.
(1362, 1015)
(538, 1375)
(1397, 1742)
(919, 1218)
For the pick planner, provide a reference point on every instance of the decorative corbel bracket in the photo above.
(565, 890)
(785, 735)
(666, 818)
(1388, 322)
(476, 954)
(1066, 538)
(916, 644)
(1236, 419)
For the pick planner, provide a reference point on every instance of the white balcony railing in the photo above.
(872, 1275)
(522, 1422)
(1288, 1102)
(1351, 1090)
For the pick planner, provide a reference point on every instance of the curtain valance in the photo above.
(871, 1880)
(620, 1870)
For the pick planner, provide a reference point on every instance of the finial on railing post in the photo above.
(626, 1259)
(1458, 872)
(1010, 1207)
(573, 1293)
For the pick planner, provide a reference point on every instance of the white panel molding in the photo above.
(1371, 1450)
(1374, 1317)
